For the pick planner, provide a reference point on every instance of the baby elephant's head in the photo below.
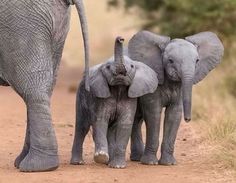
(121, 70)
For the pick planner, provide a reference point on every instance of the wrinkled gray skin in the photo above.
(179, 63)
(110, 107)
(32, 36)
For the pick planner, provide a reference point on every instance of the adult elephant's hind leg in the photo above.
(33, 80)
(25, 149)
(42, 154)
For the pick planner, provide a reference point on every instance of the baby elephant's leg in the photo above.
(171, 125)
(118, 138)
(111, 137)
(119, 134)
(118, 141)
(100, 140)
(137, 145)
(81, 130)
(152, 114)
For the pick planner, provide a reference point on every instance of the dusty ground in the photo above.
(192, 165)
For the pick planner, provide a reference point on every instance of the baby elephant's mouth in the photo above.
(173, 75)
(120, 80)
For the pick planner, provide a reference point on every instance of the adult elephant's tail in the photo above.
(84, 27)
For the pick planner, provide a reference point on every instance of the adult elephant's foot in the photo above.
(101, 157)
(149, 159)
(36, 161)
(117, 163)
(167, 159)
(25, 149)
(75, 160)
(20, 157)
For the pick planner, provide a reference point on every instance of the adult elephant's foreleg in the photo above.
(172, 120)
(152, 115)
(25, 149)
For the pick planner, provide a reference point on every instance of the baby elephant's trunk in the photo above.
(119, 56)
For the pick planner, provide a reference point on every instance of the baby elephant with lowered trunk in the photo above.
(110, 106)
(179, 64)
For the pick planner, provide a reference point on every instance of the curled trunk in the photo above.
(119, 56)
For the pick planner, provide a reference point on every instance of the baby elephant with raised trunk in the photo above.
(110, 106)
(179, 63)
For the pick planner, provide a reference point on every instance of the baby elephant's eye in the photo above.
(132, 66)
(108, 67)
(197, 60)
(171, 61)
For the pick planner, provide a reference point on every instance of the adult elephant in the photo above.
(32, 36)
(179, 63)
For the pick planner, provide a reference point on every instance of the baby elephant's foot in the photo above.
(167, 159)
(101, 157)
(117, 163)
(137, 152)
(20, 157)
(149, 159)
(77, 161)
(36, 161)
(136, 155)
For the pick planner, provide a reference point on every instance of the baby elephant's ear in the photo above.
(145, 81)
(98, 83)
(210, 50)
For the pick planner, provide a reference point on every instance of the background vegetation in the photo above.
(178, 18)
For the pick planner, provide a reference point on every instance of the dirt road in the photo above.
(192, 165)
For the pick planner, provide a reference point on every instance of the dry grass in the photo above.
(214, 112)
(223, 135)
(222, 131)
